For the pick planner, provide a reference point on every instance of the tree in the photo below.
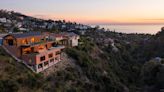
(2, 29)
(16, 29)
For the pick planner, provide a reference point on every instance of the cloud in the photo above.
(160, 19)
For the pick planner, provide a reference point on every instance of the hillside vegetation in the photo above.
(123, 63)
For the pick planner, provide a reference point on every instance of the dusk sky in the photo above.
(91, 11)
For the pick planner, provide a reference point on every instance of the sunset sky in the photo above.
(91, 11)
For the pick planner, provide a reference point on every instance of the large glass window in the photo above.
(32, 40)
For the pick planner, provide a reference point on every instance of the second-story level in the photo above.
(23, 39)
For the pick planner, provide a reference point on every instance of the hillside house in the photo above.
(3, 20)
(37, 50)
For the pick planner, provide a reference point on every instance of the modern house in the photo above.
(39, 50)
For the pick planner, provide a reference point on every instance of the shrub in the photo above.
(8, 86)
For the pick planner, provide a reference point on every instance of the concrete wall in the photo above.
(14, 50)
(34, 60)
(29, 59)
(36, 57)
(73, 41)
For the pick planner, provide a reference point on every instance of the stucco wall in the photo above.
(36, 57)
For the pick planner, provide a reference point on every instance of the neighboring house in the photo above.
(8, 21)
(82, 32)
(63, 26)
(23, 29)
(3, 20)
(19, 25)
(50, 25)
(66, 39)
(34, 49)
(72, 39)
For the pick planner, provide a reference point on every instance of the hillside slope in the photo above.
(113, 65)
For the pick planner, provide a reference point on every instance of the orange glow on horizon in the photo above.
(100, 19)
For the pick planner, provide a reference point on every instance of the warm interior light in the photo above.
(41, 47)
(32, 39)
(24, 41)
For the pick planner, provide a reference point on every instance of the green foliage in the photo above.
(153, 74)
(115, 74)
(16, 29)
(2, 30)
(14, 76)
(149, 72)
(86, 44)
(8, 86)
(95, 67)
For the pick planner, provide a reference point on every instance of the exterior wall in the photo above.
(58, 38)
(29, 59)
(14, 50)
(34, 59)
(46, 53)
(73, 41)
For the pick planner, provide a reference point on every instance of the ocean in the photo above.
(151, 29)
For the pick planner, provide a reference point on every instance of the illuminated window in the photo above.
(41, 47)
(32, 40)
(26, 50)
(24, 41)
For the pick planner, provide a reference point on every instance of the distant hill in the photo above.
(13, 20)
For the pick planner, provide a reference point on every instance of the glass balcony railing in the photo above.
(38, 43)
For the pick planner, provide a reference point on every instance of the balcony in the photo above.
(38, 43)
(45, 51)
(57, 47)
